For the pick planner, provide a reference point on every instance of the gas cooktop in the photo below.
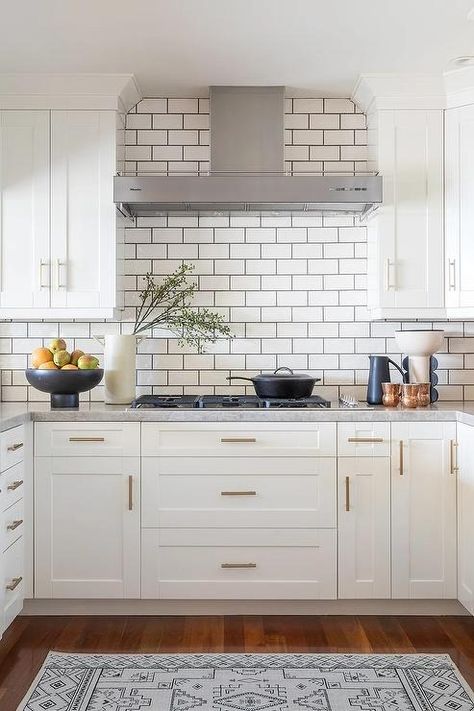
(243, 402)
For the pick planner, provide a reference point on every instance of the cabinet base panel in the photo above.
(243, 607)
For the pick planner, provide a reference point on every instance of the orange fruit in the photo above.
(48, 365)
(75, 355)
(41, 355)
(70, 366)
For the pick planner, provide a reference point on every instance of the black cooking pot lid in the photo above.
(286, 375)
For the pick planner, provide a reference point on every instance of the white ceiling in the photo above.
(180, 47)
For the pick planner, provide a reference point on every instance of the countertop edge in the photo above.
(12, 415)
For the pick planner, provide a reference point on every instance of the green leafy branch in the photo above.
(168, 304)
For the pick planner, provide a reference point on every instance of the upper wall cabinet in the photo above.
(459, 250)
(58, 231)
(24, 211)
(405, 260)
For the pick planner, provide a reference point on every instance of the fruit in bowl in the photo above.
(62, 374)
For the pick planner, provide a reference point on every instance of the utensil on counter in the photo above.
(64, 386)
(379, 372)
(391, 394)
(281, 384)
(348, 400)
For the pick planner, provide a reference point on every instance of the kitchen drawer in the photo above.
(239, 564)
(12, 447)
(87, 439)
(363, 439)
(240, 439)
(12, 485)
(13, 523)
(231, 493)
(13, 581)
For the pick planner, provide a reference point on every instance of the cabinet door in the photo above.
(83, 237)
(24, 209)
(465, 516)
(87, 527)
(459, 208)
(364, 527)
(406, 232)
(424, 510)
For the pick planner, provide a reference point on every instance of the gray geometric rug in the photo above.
(248, 682)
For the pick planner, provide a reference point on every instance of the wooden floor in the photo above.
(26, 643)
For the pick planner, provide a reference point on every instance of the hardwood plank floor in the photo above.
(26, 643)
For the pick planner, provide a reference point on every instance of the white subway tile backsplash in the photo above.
(292, 285)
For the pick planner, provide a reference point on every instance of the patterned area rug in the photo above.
(248, 682)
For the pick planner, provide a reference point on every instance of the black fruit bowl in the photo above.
(64, 385)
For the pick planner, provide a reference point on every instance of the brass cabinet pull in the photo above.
(348, 500)
(365, 440)
(14, 485)
(14, 447)
(130, 492)
(389, 284)
(231, 440)
(14, 583)
(87, 439)
(14, 524)
(238, 565)
(61, 265)
(42, 263)
(401, 457)
(238, 493)
(453, 457)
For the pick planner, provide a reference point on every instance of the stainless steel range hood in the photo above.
(247, 169)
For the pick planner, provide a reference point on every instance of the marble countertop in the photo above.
(13, 414)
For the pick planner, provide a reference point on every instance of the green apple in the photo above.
(61, 358)
(87, 362)
(57, 344)
(75, 355)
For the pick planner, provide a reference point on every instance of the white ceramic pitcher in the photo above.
(120, 364)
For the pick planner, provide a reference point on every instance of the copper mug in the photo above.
(410, 394)
(424, 394)
(391, 394)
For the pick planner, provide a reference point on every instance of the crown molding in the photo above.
(459, 85)
(378, 92)
(116, 92)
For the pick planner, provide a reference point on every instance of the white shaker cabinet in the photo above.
(405, 235)
(364, 510)
(424, 510)
(82, 209)
(24, 210)
(465, 516)
(58, 232)
(459, 226)
(87, 511)
(364, 527)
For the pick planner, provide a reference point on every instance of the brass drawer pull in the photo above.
(130, 493)
(14, 447)
(365, 440)
(233, 440)
(238, 493)
(453, 457)
(14, 583)
(401, 457)
(14, 524)
(348, 499)
(238, 565)
(87, 439)
(14, 485)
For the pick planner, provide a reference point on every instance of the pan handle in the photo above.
(238, 377)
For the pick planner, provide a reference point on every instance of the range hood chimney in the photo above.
(247, 169)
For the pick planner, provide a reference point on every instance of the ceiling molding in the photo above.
(379, 92)
(459, 84)
(116, 92)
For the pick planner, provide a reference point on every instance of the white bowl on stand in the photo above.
(419, 346)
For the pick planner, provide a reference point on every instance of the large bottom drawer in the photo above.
(239, 564)
(13, 581)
